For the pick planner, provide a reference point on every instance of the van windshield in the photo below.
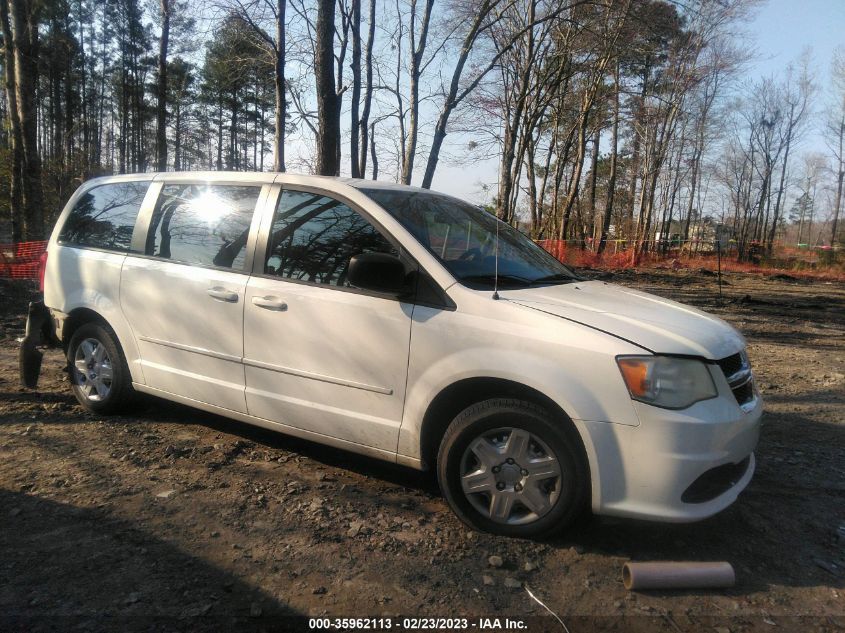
(463, 238)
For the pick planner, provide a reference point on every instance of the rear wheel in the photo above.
(508, 467)
(98, 371)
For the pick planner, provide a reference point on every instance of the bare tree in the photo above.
(797, 92)
(418, 42)
(259, 14)
(835, 132)
(328, 99)
(15, 136)
(356, 88)
(24, 18)
(161, 87)
(484, 17)
(363, 123)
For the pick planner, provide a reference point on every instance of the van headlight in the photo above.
(666, 381)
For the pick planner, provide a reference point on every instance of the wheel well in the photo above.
(464, 393)
(76, 319)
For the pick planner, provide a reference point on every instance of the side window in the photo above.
(203, 224)
(104, 217)
(313, 238)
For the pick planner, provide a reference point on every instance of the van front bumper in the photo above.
(676, 466)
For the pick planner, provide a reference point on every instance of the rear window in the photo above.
(206, 225)
(104, 216)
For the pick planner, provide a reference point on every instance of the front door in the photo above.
(184, 297)
(318, 354)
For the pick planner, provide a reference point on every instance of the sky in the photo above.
(783, 28)
(780, 30)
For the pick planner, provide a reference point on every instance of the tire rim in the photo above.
(92, 370)
(510, 476)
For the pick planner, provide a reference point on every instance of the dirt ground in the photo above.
(174, 519)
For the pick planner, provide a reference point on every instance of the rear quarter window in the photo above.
(104, 216)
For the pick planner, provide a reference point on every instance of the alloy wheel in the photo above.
(92, 369)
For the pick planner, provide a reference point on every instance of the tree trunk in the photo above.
(530, 157)
(24, 21)
(328, 100)
(15, 138)
(234, 156)
(614, 155)
(220, 133)
(356, 89)
(161, 88)
(368, 92)
(373, 149)
(279, 86)
(84, 109)
(778, 201)
(177, 137)
(513, 121)
(417, 52)
(572, 192)
(593, 175)
(696, 159)
(840, 176)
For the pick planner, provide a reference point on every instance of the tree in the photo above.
(835, 134)
(24, 17)
(257, 14)
(236, 76)
(16, 215)
(797, 92)
(418, 43)
(361, 137)
(328, 99)
(161, 87)
(801, 212)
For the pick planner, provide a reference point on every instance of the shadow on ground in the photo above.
(83, 569)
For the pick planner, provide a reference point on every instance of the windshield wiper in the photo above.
(548, 279)
(491, 279)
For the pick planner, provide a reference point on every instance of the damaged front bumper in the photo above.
(39, 333)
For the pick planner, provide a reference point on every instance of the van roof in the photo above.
(266, 176)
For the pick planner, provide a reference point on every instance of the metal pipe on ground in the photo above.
(677, 575)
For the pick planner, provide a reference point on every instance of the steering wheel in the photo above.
(471, 255)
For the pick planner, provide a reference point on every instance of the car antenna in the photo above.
(496, 276)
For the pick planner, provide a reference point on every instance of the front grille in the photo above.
(715, 482)
(737, 371)
(731, 364)
(744, 393)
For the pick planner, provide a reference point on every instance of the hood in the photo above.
(656, 324)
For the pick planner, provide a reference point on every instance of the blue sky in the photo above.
(783, 28)
(780, 30)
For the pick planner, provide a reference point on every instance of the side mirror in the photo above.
(379, 272)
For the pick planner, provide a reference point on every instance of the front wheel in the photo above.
(510, 468)
(98, 370)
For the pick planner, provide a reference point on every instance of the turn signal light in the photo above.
(635, 373)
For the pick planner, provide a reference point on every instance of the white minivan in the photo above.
(403, 324)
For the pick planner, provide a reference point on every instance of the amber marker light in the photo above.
(635, 373)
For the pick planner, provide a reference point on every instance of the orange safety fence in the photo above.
(21, 260)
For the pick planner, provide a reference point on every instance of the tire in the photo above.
(106, 388)
(483, 448)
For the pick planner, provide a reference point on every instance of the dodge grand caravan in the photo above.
(406, 325)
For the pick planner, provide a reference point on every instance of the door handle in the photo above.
(270, 303)
(222, 294)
